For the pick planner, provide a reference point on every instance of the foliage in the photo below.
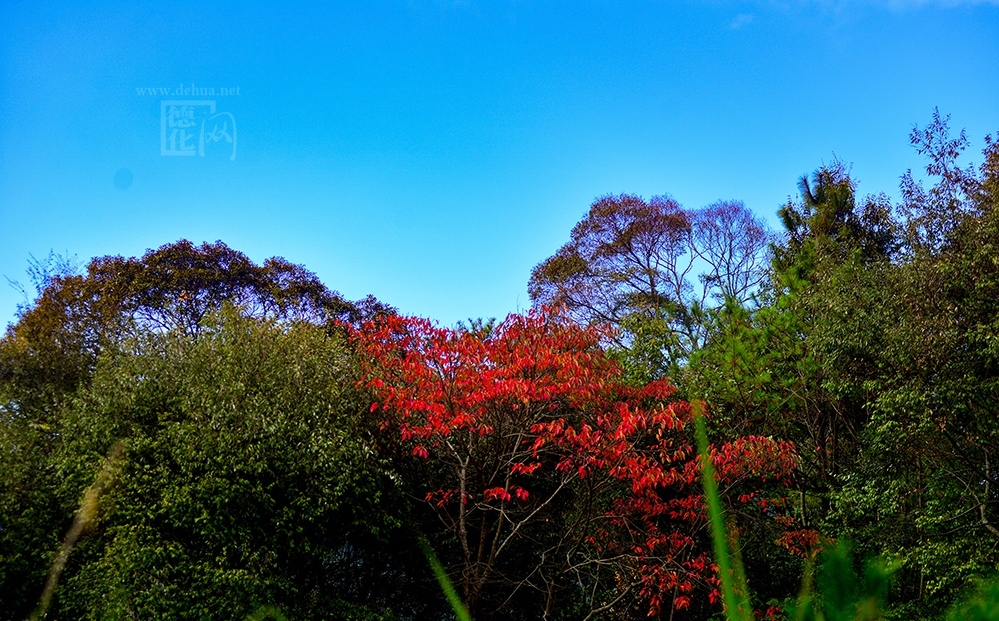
(873, 350)
(530, 428)
(734, 588)
(190, 435)
(632, 262)
(981, 605)
(42, 273)
(51, 354)
(248, 478)
(840, 595)
(56, 341)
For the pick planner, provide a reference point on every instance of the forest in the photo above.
(192, 435)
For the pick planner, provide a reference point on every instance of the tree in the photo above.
(626, 254)
(562, 489)
(42, 273)
(732, 241)
(874, 350)
(932, 442)
(826, 223)
(172, 288)
(632, 263)
(934, 214)
(51, 354)
(248, 478)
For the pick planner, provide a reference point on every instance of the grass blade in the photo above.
(460, 612)
(734, 588)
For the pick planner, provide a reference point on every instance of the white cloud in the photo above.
(741, 20)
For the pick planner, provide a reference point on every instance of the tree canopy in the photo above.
(190, 435)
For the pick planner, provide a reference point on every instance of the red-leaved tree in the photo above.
(557, 484)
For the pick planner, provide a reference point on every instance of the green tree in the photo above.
(928, 469)
(794, 365)
(49, 357)
(249, 477)
(874, 350)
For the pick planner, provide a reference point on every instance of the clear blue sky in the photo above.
(432, 152)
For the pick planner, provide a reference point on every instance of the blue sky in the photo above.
(431, 152)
